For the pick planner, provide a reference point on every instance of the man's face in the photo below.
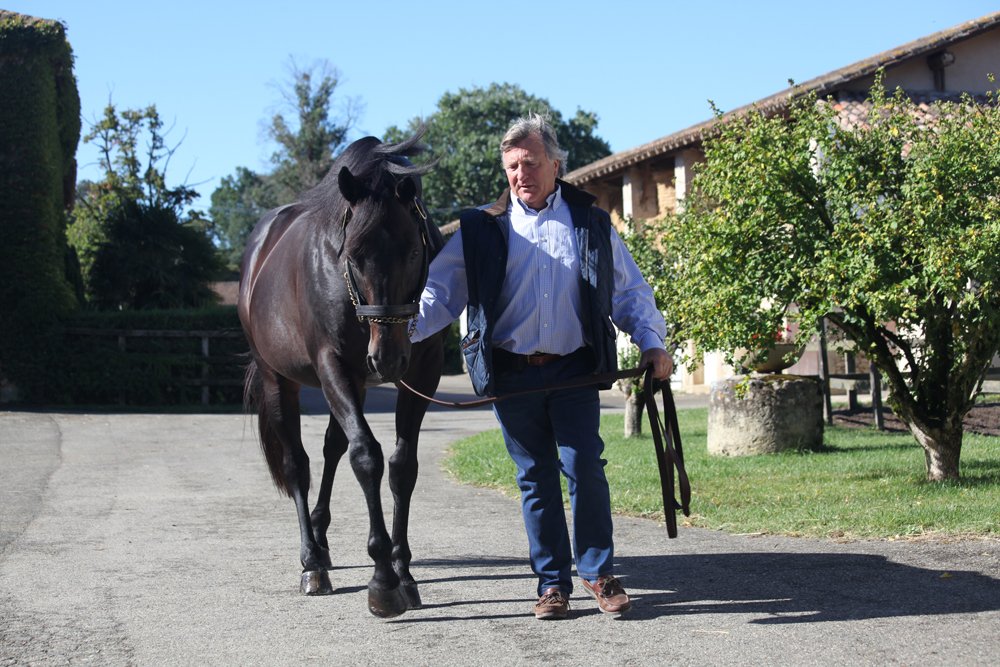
(530, 172)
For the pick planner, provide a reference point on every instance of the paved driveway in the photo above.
(159, 540)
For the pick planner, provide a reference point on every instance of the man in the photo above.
(543, 275)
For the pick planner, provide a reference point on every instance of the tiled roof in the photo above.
(821, 85)
(853, 108)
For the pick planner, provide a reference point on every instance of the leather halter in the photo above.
(390, 313)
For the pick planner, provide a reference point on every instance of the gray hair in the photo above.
(533, 123)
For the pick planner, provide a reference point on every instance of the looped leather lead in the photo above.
(667, 441)
(669, 453)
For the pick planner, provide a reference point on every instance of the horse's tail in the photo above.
(270, 444)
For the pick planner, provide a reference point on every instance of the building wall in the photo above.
(975, 58)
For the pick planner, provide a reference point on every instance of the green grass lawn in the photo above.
(863, 484)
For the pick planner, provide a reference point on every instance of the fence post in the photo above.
(824, 373)
(121, 348)
(876, 382)
(852, 394)
(204, 371)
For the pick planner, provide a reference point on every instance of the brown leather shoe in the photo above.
(552, 605)
(611, 596)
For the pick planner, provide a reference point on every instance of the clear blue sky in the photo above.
(647, 68)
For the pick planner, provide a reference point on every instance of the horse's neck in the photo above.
(323, 261)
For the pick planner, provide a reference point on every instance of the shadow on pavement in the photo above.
(803, 587)
(779, 587)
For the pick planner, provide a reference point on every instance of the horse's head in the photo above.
(385, 257)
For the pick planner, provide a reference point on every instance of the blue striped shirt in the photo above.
(541, 295)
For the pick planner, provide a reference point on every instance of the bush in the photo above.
(150, 260)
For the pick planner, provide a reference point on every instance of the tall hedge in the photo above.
(39, 133)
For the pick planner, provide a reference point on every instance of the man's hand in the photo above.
(660, 360)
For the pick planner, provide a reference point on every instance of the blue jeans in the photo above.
(547, 434)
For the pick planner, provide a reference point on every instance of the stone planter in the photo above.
(763, 414)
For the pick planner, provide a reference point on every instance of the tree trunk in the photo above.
(942, 449)
(633, 415)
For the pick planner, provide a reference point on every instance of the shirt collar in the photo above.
(554, 201)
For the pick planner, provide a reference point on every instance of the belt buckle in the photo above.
(538, 358)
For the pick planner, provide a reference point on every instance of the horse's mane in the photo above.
(379, 166)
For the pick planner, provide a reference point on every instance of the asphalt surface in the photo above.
(151, 539)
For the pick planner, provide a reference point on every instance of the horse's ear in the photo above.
(349, 186)
(406, 190)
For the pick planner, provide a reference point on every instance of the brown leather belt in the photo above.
(540, 358)
(513, 361)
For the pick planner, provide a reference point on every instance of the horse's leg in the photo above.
(335, 444)
(402, 480)
(281, 403)
(423, 375)
(346, 404)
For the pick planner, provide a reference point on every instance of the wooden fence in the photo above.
(209, 363)
(868, 383)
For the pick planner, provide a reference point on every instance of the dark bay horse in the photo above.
(328, 288)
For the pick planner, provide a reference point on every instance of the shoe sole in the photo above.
(613, 614)
(551, 617)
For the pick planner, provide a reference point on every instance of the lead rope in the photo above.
(669, 453)
(666, 441)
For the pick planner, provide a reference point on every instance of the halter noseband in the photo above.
(390, 314)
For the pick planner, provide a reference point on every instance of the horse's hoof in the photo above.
(315, 582)
(412, 595)
(386, 603)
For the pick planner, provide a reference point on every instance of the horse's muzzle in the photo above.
(388, 369)
(388, 351)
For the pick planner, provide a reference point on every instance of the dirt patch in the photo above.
(984, 419)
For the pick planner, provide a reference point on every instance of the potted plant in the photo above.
(769, 355)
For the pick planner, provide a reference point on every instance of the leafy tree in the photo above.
(152, 260)
(889, 229)
(464, 137)
(307, 147)
(642, 238)
(134, 159)
(134, 170)
(237, 204)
